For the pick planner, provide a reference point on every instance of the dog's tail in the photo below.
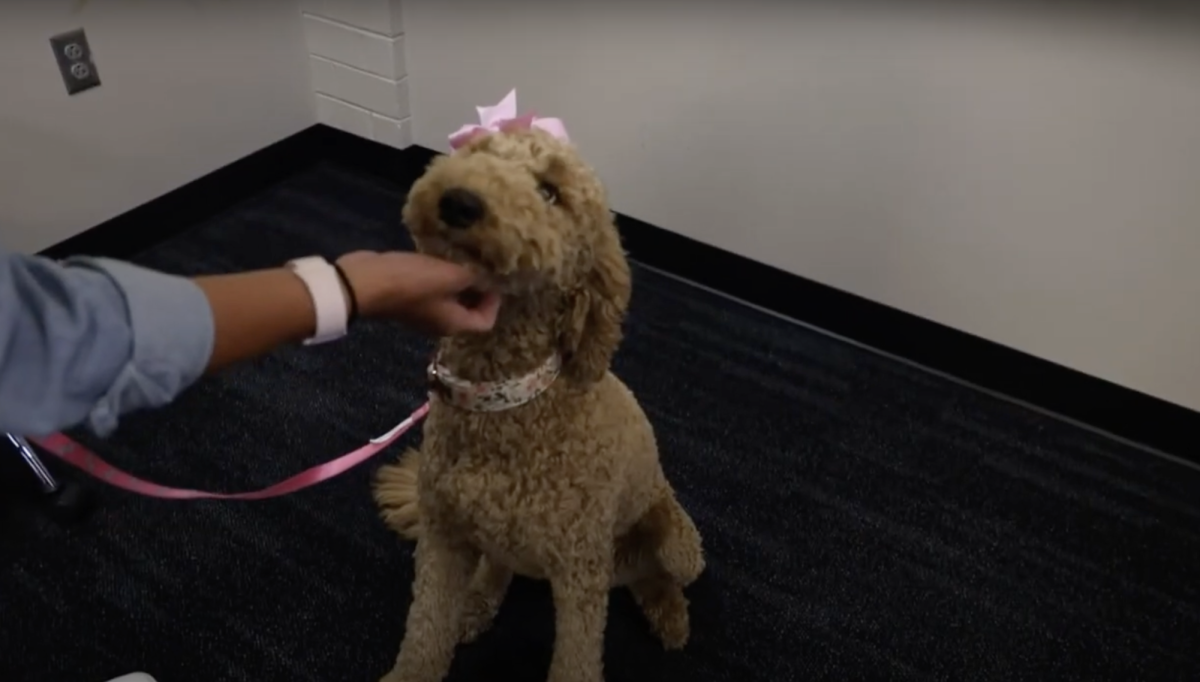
(396, 495)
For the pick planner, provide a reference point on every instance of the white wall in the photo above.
(356, 52)
(187, 87)
(1032, 181)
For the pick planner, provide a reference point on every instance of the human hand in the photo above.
(434, 295)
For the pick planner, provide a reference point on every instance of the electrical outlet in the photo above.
(75, 63)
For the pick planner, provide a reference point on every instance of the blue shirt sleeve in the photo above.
(87, 340)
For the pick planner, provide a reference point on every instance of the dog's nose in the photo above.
(460, 208)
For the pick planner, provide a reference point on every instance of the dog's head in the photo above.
(522, 207)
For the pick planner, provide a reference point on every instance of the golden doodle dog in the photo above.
(536, 460)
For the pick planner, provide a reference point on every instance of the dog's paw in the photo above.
(666, 609)
(474, 625)
(483, 599)
(477, 617)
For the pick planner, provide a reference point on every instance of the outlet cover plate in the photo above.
(75, 64)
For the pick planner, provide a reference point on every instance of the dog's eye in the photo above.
(549, 193)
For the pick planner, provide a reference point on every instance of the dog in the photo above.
(536, 460)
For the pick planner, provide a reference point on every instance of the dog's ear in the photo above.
(591, 324)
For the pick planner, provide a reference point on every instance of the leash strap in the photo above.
(76, 455)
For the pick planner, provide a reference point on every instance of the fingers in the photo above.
(484, 313)
(450, 316)
(439, 296)
(418, 274)
(437, 277)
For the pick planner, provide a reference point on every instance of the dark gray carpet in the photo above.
(864, 520)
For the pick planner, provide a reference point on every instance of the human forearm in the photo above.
(254, 312)
(89, 340)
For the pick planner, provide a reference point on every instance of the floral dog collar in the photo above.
(492, 396)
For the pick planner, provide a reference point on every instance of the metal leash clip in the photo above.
(437, 387)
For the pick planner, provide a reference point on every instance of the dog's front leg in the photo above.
(581, 612)
(443, 572)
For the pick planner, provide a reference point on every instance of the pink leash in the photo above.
(75, 454)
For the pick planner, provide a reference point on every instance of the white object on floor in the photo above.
(134, 677)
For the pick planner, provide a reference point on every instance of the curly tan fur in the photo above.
(396, 494)
(567, 487)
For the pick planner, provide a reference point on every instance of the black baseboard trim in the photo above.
(1103, 405)
(197, 201)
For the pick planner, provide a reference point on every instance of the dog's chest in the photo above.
(520, 520)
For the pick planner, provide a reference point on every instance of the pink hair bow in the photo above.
(502, 118)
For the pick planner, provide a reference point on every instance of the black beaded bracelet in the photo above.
(353, 314)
